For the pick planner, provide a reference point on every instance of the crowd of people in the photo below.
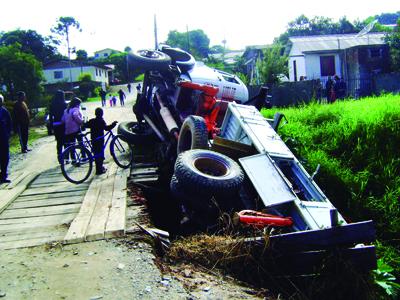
(336, 88)
(66, 120)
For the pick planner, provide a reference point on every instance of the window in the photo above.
(327, 65)
(105, 54)
(375, 53)
(96, 55)
(58, 74)
(97, 72)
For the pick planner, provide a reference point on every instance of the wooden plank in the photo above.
(46, 202)
(39, 211)
(16, 180)
(116, 222)
(78, 227)
(320, 239)
(42, 233)
(97, 225)
(36, 220)
(8, 196)
(52, 189)
(71, 193)
(38, 223)
(31, 242)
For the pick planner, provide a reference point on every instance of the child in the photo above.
(111, 100)
(97, 126)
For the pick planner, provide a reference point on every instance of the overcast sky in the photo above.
(120, 23)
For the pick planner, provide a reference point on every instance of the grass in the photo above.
(357, 144)
(35, 133)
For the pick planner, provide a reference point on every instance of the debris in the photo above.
(187, 273)
(148, 289)
(65, 265)
(96, 297)
(2, 294)
(120, 266)
(75, 253)
(206, 289)
(164, 282)
(91, 253)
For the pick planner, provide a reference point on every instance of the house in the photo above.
(104, 53)
(251, 56)
(65, 71)
(353, 57)
(230, 57)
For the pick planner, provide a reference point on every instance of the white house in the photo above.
(345, 55)
(63, 71)
(104, 53)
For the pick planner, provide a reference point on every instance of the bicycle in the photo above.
(77, 159)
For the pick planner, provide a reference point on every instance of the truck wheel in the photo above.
(149, 60)
(181, 58)
(193, 134)
(135, 134)
(198, 203)
(204, 172)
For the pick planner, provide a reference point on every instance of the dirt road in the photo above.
(114, 269)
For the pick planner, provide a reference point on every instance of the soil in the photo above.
(109, 269)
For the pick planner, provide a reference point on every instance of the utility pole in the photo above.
(69, 58)
(155, 33)
(188, 38)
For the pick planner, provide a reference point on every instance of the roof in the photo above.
(107, 50)
(229, 57)
(333, 42)
(64, 64)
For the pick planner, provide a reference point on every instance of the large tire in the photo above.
(149, 60)
(135, 134)
(204, 172)
(193, 134)
(184, 60)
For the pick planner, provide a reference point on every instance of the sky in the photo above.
(119, 23)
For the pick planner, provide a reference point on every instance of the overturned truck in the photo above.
(219, 154)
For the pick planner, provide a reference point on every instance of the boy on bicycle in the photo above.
(97, 126)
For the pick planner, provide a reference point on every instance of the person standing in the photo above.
(329, 90)
(129, 88)
(97, 126)
(121, 97)
(5, 132)
(73, 119)
(103, 97)
(21, 120)
(57, 108)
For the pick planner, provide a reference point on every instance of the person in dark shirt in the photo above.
(103, 95)
(21, 120)
(97, 126)
(122, 97)
(57, 107)
(5, 132)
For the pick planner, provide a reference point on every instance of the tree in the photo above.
(273, 64)
(31, 42)
(196, 42)
(393, 40)
(20, 71)
(128, 49)
(86, 85)
(81, 55)
(62, 28)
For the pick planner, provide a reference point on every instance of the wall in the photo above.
(387, 83)
(300, 67)
(76, 72)
(313, 65)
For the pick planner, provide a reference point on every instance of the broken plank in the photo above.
(46, 202)
(116, 222)
(77, 230)
(96, 227)
(39, 211)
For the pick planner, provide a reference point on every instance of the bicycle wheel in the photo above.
(76, 163)
(121, 151)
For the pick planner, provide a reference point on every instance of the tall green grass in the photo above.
(357, 143)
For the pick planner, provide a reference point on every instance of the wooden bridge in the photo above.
(36, 209)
